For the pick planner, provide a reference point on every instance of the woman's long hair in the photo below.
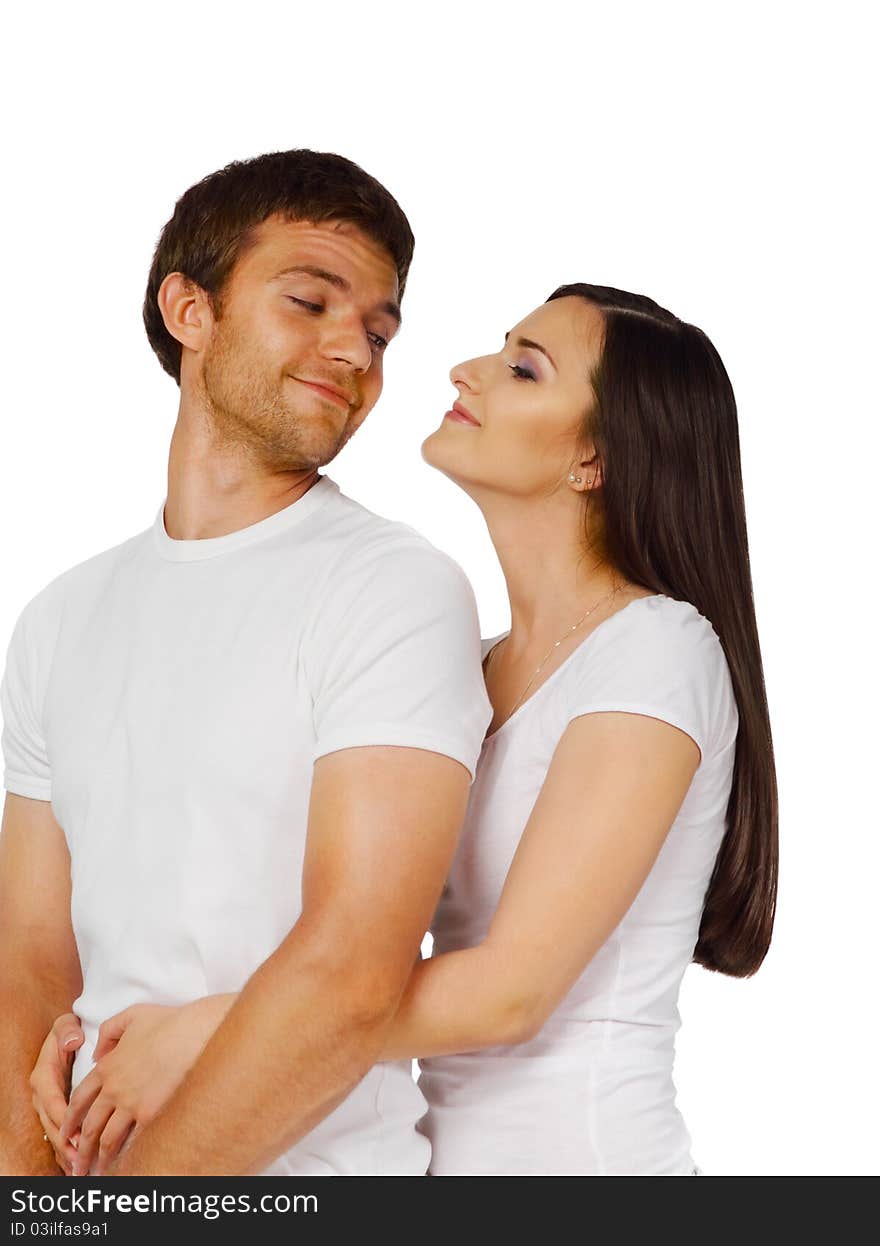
(664, 427)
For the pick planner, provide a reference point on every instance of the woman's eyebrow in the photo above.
(530, 345)
(334, 279)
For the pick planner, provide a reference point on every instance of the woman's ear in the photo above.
(586, 474)
(186, 311)
(593, 470)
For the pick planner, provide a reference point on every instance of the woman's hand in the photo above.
(142, 1055)
(50, 1084)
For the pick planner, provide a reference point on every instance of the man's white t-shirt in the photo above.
(170, 697)
(593, 1093)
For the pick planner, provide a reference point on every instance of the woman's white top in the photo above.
(593, 1093)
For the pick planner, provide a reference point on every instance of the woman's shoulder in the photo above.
(657, 656)
(647, 624)
(674, 628)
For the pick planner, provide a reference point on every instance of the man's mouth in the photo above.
(330, 392)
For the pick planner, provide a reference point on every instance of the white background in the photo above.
(716, 158)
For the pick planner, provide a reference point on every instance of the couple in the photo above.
(254, 752)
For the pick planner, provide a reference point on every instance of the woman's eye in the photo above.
(522, 374)
(378, 341)
(312, 307)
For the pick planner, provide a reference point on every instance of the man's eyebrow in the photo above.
(530, 345)
(391, 308)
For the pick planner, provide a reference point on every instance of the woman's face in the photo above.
(517, 423)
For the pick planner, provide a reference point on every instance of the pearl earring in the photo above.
(574, 479)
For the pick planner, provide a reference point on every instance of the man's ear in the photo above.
(186, 311)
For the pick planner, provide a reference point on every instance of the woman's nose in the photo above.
(464, 375)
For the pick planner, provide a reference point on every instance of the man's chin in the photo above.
(308, 458)
(315, 445)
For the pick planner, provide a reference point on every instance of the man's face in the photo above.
(294, 361)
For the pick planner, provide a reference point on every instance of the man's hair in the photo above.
(215, 221)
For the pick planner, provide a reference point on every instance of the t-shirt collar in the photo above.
(212, 546)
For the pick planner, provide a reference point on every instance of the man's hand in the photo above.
(50, 1085)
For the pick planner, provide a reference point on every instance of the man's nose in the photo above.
(345, 341)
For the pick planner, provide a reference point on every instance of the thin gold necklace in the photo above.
(553, 647)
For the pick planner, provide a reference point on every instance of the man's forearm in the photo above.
(300, 1036)
(28, 1010)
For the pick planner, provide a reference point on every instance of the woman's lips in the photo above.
(461, 415)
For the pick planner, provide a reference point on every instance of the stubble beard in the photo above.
(248, 413)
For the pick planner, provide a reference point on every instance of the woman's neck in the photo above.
(552, 577)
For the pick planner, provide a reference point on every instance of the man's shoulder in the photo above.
(387, 568)
(83, 578)
(363, 533)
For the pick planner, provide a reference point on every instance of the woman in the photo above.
(623, 817)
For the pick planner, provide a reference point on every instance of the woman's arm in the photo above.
(613, 790)
(611, 794)
(142, 1055)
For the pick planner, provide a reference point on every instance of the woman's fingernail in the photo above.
(74, 1038)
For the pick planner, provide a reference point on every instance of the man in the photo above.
(238, 746)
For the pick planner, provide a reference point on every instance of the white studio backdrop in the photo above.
(716, 159)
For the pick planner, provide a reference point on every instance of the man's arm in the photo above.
(312, 1020)
(39, 970)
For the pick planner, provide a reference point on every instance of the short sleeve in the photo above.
(660, 658)
(26, 762)
(394, 655)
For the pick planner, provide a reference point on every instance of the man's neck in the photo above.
(216, 489)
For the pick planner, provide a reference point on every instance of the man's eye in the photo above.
(312, 307)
